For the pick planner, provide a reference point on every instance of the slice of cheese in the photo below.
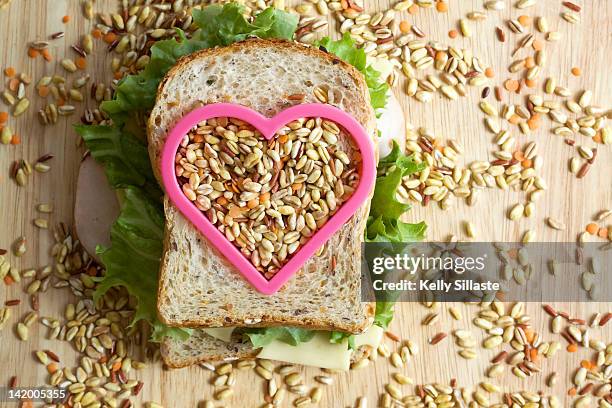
(372, 337)
(221, 333)
(319, 352)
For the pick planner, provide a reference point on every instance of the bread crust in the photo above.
(234, 350)
(358, 220)
(254, 43)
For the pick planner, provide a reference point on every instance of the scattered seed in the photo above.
(22, 331)
(466, 31)
(572, 6)
(6, 135)
(529, 236)
(430, 319)
(68, 65)
(584, 169)
(492, 342)
(501, 36)
(550, 311)
(437, 338)
(470, 229)
(402, 379)
(417, 31)
(21, 107)
(516, 212)
(495, 5)
(570, 17)
(499, 357)
(19, 247)
(45, 208)
(555, 224)
(467, 353)
(523, 4)
(455, 313)
(324, 379)
(41, 223)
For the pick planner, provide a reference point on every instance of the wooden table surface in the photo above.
(587, 45)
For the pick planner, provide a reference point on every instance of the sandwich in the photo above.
(198, 286)
(198, 305)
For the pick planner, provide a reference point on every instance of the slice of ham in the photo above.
(96, 207)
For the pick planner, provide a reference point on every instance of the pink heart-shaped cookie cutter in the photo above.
(268, 127)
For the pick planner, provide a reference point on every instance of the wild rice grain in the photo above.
(437, 338)
(501, 36)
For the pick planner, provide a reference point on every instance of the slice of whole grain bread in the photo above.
(201, 347)
(198, 287)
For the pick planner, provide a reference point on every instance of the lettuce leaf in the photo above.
(290, 335)
(138, 92)
(382, 318)
(339, 337)
(137, 240)
(346, 50)
(124, 157)
(384, 314)
(225, 25)
(384, 223)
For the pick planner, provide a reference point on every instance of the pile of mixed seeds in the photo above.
(98, 331)
(422, 68)
(267, 197)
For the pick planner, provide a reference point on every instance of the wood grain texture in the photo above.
(587, 45)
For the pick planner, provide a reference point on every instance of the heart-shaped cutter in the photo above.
(268, 128)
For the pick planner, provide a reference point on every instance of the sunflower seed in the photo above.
(22, 331)
(21, 107)
(555, 224)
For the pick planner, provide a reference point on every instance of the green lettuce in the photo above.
(260, 337)
(339, 337)
(225, 25)
(123, 156)
(137, 235)
(384, 314)
(137, 239)
(384, 223)
(346, 50)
